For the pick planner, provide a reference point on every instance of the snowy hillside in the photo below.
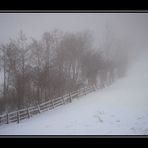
(121, 109)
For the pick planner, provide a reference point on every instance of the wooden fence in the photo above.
(19, 115)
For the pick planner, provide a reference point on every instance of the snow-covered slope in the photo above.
(119, 109)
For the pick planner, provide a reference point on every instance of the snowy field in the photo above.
(120, 109)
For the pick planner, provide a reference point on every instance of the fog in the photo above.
(70, 52)
(128, 29)
(129, 25)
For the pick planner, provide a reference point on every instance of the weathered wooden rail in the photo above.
(25, 113)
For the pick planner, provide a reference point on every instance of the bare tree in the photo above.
(56, 64)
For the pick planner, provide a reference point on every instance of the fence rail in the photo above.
(17, 116)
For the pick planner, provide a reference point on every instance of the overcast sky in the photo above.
(34, 24)
(132, 26)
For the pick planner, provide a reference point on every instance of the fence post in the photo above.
(89, 89)
(18, 117)
(70, 96)
(84, 90)
(39, 109)
(52, 103)
(49, 105)
(63, 100)
(7, 118)
(28, 112)
(78, 93)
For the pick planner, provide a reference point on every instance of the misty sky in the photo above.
(129, 25)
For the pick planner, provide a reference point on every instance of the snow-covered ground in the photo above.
(120, 109)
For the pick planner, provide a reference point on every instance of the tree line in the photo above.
(34, 71)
